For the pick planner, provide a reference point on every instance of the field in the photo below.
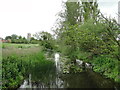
(9, 45)
(19, 60)
(19, 49)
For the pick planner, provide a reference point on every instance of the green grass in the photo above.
(19, 63)
(10, 45)
(15, 68)
(19, 49)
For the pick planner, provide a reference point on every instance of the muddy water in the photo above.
(87, 79)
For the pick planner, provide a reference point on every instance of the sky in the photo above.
(30, 16)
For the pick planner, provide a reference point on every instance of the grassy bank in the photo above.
(104, 64)
(107, 66)
(19, 63)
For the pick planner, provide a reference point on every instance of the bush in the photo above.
(3, 46)
(15, 68)
(107, 66)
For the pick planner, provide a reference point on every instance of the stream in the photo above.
(86, 79)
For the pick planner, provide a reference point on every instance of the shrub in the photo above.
(15, 68)
(107, 66)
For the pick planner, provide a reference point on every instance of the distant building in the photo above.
(28, 36)
(5, 41)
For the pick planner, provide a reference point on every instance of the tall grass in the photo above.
(20, 52)
(15, 67)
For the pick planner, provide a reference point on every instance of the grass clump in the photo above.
(15, 68)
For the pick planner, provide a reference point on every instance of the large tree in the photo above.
(8, 37)
(90, 10)
(46, 40)
(74, 15)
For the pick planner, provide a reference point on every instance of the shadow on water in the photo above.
(85, 80)
(53, 79)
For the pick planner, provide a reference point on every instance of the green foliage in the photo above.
(83, 55)
(3, 46)
(89, 37)
(8, 37)
(46, 41)
(12, 71)
(69, 67)
(16, 68)
(90, 10)
(107, 66)
(75, 69)
(72, 12)
(41, 67)
(24, 46)
(19, 39)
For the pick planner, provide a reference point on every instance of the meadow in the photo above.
(20, 60)
(10, 45)
(19, 49)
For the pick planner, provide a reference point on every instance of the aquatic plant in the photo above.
(16, 67)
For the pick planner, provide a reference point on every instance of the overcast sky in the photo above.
(29, 16)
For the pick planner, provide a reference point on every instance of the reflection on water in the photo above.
(87, 79)
(57, 62)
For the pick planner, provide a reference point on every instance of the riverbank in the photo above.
(99, 69)
(107, 66)
(16, 66)
(83, 79)
(28, 70)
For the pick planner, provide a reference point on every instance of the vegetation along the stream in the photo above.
(86, 34)
(81, 32)
(17, 64)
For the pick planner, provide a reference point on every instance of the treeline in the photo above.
(85, 33)
(19, 39)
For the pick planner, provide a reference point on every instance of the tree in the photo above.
(46, 40)
(75, 15)
(112, 31)
(19, 37)
(32, 38)
(72, 12)
(90, 10)
(71, 16)
(14, 36)
(93, 39)
(8, 37)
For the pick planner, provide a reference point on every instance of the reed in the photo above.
(17, 64)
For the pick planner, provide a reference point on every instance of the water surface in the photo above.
(86, 79)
